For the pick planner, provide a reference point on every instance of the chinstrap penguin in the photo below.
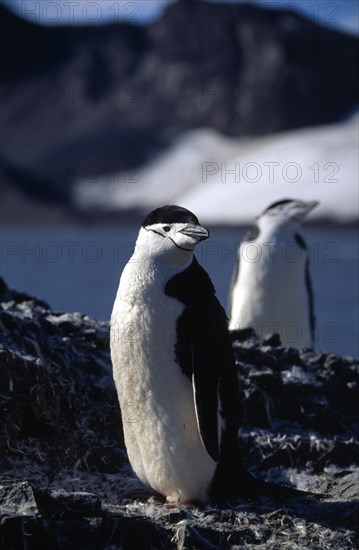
(173, 364)
(174, 369)
(271, 286)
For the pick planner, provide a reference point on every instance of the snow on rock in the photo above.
(313, 163)
(230, 180)
(164, 180)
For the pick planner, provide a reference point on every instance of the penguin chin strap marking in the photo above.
(170, 238)
(181, 247)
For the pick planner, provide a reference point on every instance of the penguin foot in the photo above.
(145, 495)
(175, 503)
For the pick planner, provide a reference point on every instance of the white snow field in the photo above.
(230, 180)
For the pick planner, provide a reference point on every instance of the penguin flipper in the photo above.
(205, 393)
(203, 350)
(212, 367)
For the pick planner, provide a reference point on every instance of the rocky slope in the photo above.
(87, 101)
(65, 480)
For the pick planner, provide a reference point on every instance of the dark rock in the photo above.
(267, 381)
(50, 377)
(84, 503)
(257, 408)
(17, 499)
(333, 362)
(66, 479)
(316, 358)
(130, 90)
(348, 485)
(242, 335)
(273, 340)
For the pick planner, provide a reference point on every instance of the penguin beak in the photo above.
(312, 205)
(309, 207)
(303, 210)
(196, 232)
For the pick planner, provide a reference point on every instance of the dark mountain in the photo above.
(92, 100)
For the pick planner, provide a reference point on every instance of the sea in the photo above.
(78, 269)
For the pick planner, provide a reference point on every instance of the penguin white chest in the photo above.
(156, 398)
(270, 293)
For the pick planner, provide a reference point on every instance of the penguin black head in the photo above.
(171, 228)
(170, 214)
(291, 210)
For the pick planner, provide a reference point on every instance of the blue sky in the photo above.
(342, 14)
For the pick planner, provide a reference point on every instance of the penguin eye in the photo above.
(167, 228)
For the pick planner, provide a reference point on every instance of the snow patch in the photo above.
(231, 180)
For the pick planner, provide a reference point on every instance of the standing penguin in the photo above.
(173, 366)
(271, 288)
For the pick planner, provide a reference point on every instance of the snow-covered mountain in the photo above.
(230, 180)
(89, 100)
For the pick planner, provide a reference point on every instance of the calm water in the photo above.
(77, 269)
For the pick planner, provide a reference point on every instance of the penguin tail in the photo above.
(233, 484)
